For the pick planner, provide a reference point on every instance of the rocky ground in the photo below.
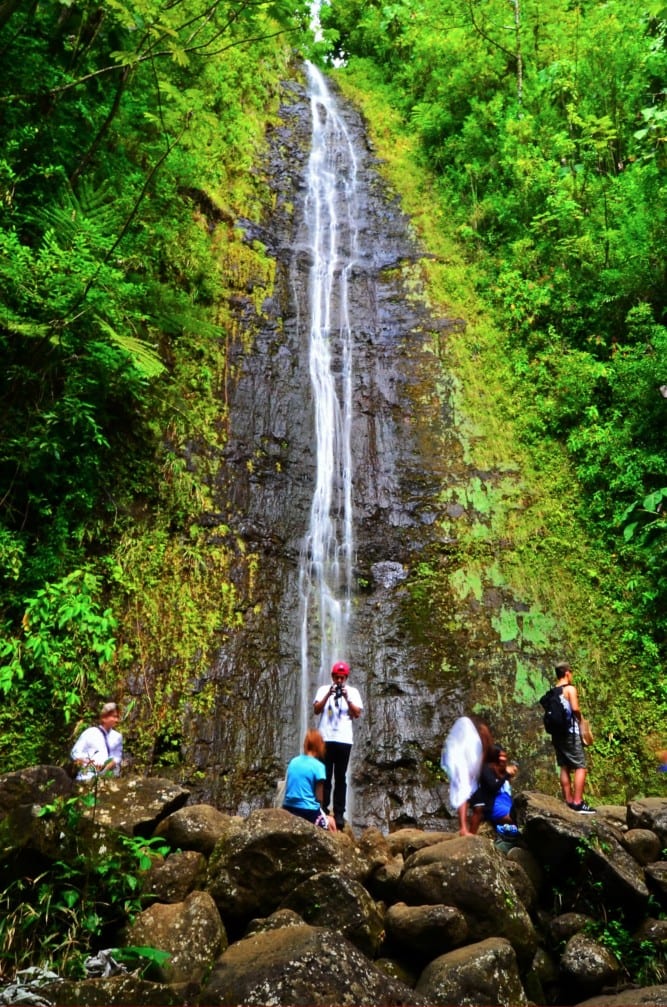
(270, 910)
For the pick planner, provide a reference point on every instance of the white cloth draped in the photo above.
(462, 760)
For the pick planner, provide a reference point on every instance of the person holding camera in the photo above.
(337, 705)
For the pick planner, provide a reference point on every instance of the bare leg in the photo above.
(463, 819)
(579, 781)
(476, 819)
(566, 785)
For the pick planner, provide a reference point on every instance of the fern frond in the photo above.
(92, 210)
(22, 326)
(143, 356)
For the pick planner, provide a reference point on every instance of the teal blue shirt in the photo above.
(303, 773)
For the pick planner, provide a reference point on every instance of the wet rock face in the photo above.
(420, 656)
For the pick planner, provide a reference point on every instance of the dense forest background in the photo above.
(528, 143)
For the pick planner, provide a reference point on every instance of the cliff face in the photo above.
(433, 631)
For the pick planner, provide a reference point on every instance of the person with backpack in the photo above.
(562, 717)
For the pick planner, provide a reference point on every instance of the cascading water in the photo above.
(338, 560)
(325, 574)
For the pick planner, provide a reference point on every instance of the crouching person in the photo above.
(304, 784)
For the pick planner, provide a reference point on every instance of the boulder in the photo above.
(523, 885)
(135, 805)
(281, 918)
(442, 873)
(22, 795)
(373, 847)
(566, 925)
(172, 879)
(301, 966)
(587, 851)
(384, 865)
(384, 880)
(643, 845)
(34, 785)
(654, 931)
(195, 827)
(398, 970)
(613, 814)
(650, 996)
(545, 968)
(424, 932)
(649, 813)
(408, 841)
(530, 864)
(586, 966)
(656, 877)
(330, 896)
(190, 931)
(260, 861)
(480, 974)
(121, 991)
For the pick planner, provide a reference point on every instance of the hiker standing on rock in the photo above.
(337, 705)
(570, 754)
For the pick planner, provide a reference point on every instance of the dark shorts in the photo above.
(477, 800)
(569, 751)
(314, 817)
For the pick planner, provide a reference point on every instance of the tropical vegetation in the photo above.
(543, 131)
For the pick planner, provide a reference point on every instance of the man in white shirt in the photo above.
(99, 749)
(337, 705)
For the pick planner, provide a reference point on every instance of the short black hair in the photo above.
(561, 668)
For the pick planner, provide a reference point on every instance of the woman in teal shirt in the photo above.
(304, 786)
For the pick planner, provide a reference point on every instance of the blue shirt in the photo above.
(303, 772)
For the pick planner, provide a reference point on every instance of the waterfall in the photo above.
(325, 574)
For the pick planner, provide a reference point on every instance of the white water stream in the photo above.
(325, 575)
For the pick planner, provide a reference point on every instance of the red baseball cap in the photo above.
(340, 668)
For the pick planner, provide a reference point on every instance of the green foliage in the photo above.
(141, 959)
(66, 639)
(128, 134)
(531, 138)
(54, 914)
(642, 962)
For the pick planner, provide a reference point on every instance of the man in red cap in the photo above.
(337, 705)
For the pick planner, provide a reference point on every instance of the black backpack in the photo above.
(557, 720)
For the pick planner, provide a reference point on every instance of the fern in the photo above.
(90, 213)
(143, 356)
(22, 326)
